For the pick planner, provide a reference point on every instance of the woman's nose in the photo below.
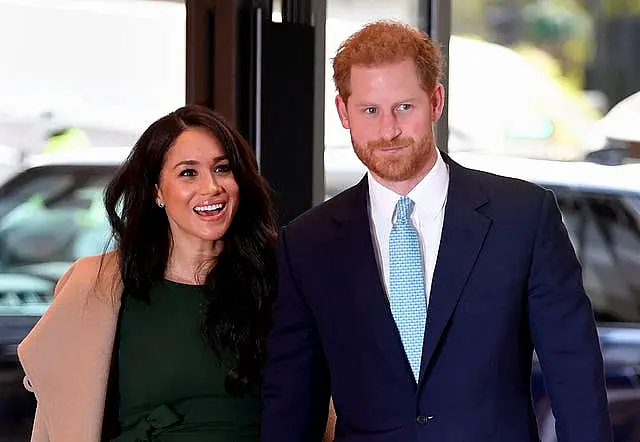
(211, 185)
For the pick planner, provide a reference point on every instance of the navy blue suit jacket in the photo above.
(506, 282)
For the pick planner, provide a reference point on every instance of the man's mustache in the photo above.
(390, 144)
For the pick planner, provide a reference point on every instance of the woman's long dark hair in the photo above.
(241, 284)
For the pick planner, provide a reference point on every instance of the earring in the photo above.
(161, 205)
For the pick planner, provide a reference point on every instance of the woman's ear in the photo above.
(159, 198)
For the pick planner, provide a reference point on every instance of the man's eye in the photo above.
(188, 172)
(370, 110)
(404, 106)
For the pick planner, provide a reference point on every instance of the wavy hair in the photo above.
(241, 284)
(383, 42)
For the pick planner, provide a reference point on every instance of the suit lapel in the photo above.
(67, 355)
(463, 234)
(359, 256)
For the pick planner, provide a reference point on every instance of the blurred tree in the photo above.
(620, 8)
(564, 29)
(584, 44)
(504, 17)
(467, 18)
(616, 66)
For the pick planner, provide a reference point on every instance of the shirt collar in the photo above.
(429, 195)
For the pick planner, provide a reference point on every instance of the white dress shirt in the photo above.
(430, 197)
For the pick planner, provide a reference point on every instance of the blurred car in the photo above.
(621, 122)
(50, 215)
(621, 132)
(10, 161)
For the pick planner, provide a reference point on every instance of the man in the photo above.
(416, 298)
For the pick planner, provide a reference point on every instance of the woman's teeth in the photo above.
(209, 208)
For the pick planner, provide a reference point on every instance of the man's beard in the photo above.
(402, 166)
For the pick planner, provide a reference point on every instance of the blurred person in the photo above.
(61, 134)
(415, 299)
(163, 339)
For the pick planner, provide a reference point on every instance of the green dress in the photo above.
(171, 384)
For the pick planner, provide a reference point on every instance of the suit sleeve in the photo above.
(564, 334)
(296, 388)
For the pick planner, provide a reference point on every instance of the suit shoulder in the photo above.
(323, 213)
(507, 187)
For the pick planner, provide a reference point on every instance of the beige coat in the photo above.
(67, 355)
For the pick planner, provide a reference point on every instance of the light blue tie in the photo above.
(407, 294)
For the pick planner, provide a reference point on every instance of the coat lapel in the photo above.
(67, 355)
(356, 245)
(463, 234)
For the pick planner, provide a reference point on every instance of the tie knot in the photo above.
(404, 207)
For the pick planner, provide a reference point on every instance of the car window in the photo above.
(605, 231)
(49, 217)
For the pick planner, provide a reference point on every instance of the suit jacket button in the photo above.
(421, 420)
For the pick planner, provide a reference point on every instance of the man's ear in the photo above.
(341, 106)
(437, 102)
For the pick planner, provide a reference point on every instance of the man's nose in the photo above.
(389, 128)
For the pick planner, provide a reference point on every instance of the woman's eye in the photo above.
(222, 168)
(188, 172)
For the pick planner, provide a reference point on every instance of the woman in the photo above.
(163, 339)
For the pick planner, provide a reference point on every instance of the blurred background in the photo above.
(543, 90)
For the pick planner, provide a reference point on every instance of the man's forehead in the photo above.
(382, 64)
(366, 78)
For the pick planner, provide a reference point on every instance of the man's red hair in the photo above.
(385, 42)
